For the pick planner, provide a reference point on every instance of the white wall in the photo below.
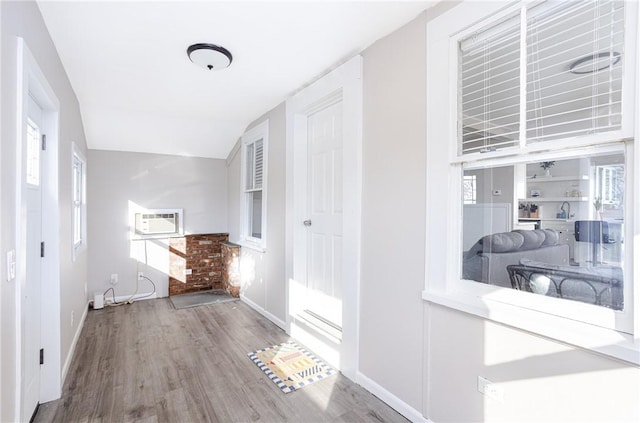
(117, 183)
(263, 279)
(23, 19)
(542, 380)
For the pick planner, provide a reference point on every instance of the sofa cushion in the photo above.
(551, 237)
(532, 239)
(502, 242)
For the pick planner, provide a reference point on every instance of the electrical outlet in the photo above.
(73, 317)
(490, 389)
(140, 276)
(114, 278)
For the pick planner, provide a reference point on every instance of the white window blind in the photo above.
(564, 102)
(573, 75)
(489, 88)
(254, 165)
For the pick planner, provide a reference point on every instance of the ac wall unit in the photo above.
(158, 223)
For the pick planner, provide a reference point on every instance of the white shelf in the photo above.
(554, 199)
(557, 178)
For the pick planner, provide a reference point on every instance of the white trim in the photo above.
(31, 81)
(258, 132)
(278, 322)
(74, 343)
(391, 400)
(345, 83)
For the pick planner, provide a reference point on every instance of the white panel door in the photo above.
(31, 301)
(324, 240)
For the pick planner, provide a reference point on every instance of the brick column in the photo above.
(200, 254)
(231, 273)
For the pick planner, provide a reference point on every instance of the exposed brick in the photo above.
(202, 254)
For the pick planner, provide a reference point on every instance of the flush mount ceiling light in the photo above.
(209, 56)
(594, 62)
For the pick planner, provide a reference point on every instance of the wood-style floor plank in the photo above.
(147, 362)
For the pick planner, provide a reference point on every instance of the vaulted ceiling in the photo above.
(138, 90)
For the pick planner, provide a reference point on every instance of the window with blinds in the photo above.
(254, 165)
(253, 206)
(574, 72)
(254, 152)
(574, 52)
(489, 88)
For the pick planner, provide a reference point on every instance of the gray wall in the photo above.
(393, 209)
(264, 272)
(117, 181)
(23, 19)
(488, 180)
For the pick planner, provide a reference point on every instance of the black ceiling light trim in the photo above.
(213, 60)
(615, 58)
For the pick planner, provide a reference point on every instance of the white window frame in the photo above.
(595, 328)
(257, 133)
(78, 243)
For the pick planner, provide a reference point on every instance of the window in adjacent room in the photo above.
(79, 209)
(253, 202)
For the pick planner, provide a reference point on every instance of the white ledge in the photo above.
(251, 246)
(607, 342)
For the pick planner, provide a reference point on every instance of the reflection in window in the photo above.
(78, 200)
(610, 185)
(469, 189)
(33, 153)
(572, 250)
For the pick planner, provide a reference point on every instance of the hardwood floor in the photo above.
(148, 362)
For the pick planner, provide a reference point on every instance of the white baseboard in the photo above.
(280, 323)
(391, 400)
(72, 349)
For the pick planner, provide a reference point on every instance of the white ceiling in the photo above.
(138, 91)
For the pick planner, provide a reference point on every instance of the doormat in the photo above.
(215, 296)
(290, 366)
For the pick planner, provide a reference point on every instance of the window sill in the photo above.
(77, 250)
(252, 246)
(610, 343)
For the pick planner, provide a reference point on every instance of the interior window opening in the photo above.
(553, 228)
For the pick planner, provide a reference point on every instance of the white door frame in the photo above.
(32, 82)
(342, 84)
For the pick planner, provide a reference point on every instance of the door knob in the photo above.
(307, 222)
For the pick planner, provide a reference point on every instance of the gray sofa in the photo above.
(488, 259)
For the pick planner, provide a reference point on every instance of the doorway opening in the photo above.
(324, 148)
